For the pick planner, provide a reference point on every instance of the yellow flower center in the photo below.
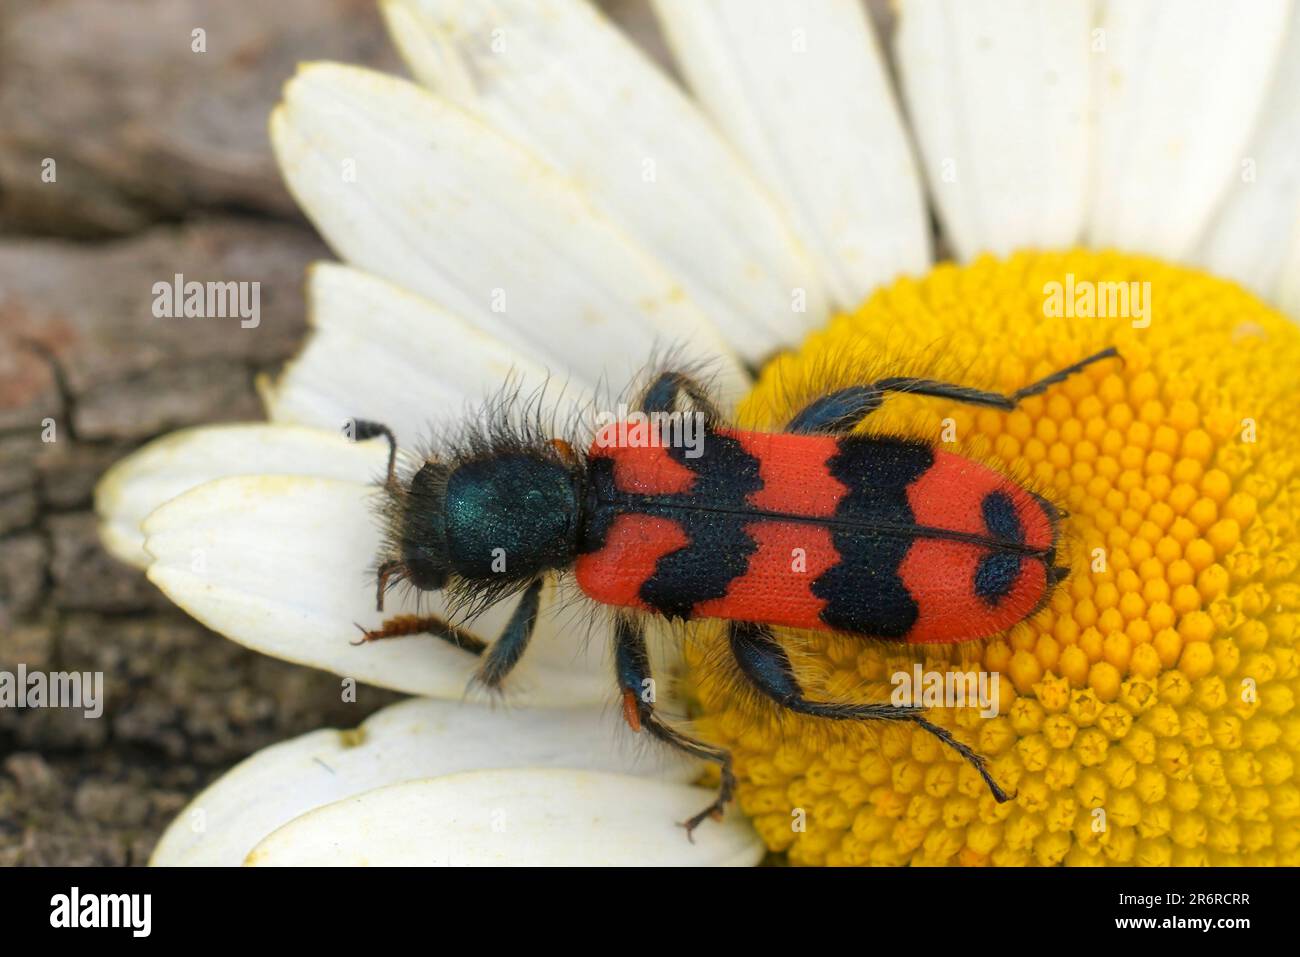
(1147, 714)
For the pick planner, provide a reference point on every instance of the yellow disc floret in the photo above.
(1146, 715)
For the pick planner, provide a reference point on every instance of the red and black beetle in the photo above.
(900, 541)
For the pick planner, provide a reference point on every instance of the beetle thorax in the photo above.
(510, 515)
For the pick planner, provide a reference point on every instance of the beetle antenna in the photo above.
(363, 429)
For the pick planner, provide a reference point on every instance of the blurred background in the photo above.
(161, 165)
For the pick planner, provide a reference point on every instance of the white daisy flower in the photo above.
(543, 201)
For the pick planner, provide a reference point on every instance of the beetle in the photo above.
(901, 541)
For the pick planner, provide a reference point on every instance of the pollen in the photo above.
(1146, 714)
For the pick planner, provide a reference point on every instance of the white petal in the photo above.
(412, 189)
(515, 818)
(420, 738)
(1251, 232)
(166, 467)
(800, 87)
(554, 75)
(998, 93)
(377, 351)
(1288, 287)
(1177, 91)
(281, 564)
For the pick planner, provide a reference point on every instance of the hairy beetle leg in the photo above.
(765, 663)
(404, 626)
(632, 663)
(715, 812)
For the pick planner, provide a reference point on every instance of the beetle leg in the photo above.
(402, 626)
(766, 665)
(838, 411)
(661, 396)
(501, 655)
(633, 665)
(843, 410)
(660, 399)
(510, 646)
